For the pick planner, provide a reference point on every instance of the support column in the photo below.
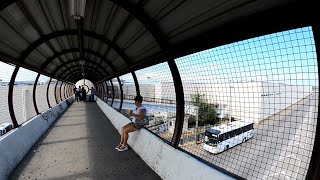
(55, 92)
(34, 94)
(136, 83)
(179, 103)
(10, 100)
(48, 93)
(112, 93)
(121, 94)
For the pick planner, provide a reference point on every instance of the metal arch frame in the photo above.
(56, 34)
(48, 93)
(112, 92)
(10, 100)
(106, 82)
(60, 91)
(314, 165)
(66, 91)
(121, 93)
(136, 83)
(66, 73)
(55, 92)
(76, 60)
(86, 67)
(70, 90)
(66, 51)
(34, 94)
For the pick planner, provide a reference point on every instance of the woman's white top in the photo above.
(136, 111)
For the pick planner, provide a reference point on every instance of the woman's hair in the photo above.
(138, 98)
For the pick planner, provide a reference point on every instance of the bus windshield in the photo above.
(210, 138)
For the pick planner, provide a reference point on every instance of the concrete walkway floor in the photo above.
(80, 145)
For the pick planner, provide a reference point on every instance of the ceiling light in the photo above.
(82, 62)
(77, 8)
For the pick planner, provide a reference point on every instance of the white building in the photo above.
(253, 101)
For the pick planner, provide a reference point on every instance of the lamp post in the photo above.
(230, 102)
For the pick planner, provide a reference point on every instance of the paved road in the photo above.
(280, 149)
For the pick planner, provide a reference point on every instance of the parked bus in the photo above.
(220, 138)
(4, 128)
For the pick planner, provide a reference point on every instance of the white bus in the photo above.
(4, 128)
(223, 137)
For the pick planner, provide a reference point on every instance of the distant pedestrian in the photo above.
(83, 94)
(77, 94)
(93, 93)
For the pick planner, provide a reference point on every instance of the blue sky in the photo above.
(287, 57)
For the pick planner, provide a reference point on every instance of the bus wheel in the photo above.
(226, 147)
(244, 139)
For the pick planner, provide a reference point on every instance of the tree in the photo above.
(206, 113)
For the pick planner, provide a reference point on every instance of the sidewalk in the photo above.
(80, 145)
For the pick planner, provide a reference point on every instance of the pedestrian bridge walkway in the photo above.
(80, 145)
(76, 140)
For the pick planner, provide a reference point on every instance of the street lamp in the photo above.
(230, 103)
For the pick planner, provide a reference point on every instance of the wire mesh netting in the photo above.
(5, 76)
(57, 91)
(23, 95)
(129, 92)
(41, 93)
(110, 92)
(51, 92)
(159, 98)
(116, 93)
(251, 106)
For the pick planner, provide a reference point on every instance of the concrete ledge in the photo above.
(166, 161)
(15, 144)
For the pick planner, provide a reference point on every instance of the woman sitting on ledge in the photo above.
(138, 118)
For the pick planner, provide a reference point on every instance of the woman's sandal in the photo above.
(123, 148)
(117, 147)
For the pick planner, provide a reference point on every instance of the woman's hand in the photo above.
(130, 112)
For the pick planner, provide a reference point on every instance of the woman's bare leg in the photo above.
(128, 130)
(122, 133)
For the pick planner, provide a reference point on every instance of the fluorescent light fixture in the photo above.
(77, 8)
(82, 62)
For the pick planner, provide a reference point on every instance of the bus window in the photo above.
(238, 131)
(232, 134)
(8, 128)
(221, 137)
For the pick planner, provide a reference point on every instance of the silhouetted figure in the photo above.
(83, 94)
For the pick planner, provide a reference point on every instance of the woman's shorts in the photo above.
(138, 126)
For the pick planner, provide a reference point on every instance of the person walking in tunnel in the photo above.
(83, 94)
(93, 93)
(77, 94)
(138, 121)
